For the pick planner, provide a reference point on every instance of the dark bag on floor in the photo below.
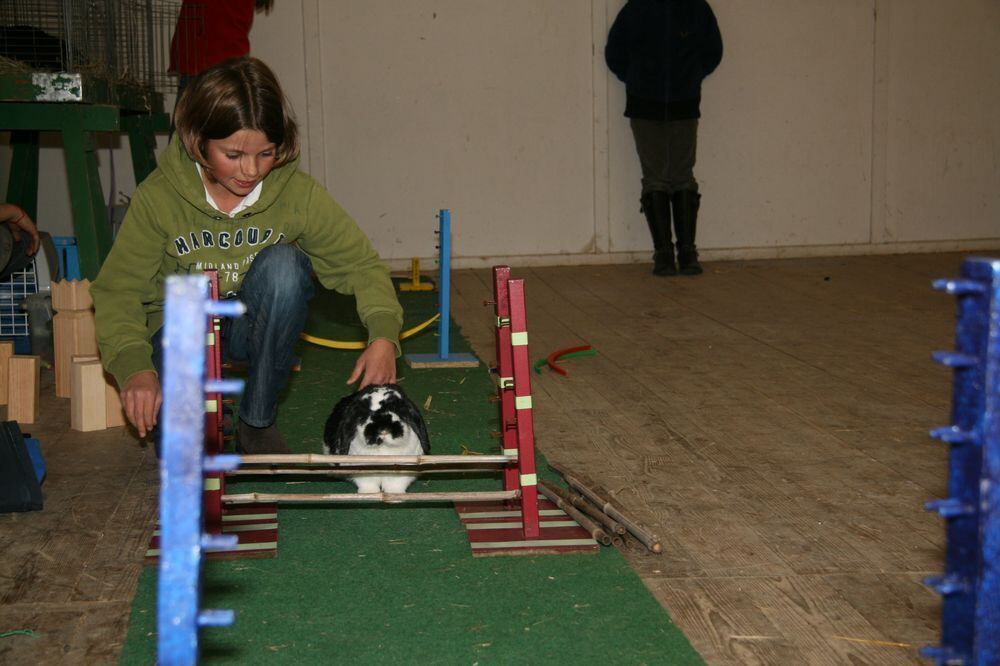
(19, 487)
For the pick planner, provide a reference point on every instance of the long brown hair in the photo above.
(238, 94)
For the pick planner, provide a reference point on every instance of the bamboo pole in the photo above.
(586, 507)
(388, 498)
(361, 461)
(586, 523)
(305, 471)
(650, 540)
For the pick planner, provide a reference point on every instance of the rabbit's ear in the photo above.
(344, 422)
(425, 442)
(333, 433)
(411, 415)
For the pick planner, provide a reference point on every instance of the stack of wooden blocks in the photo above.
(19, 384)
(94, 400)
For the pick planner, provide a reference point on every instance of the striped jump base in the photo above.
(494, 529)
(255, 525)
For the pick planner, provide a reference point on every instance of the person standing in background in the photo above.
(209, 32)
(662, 50)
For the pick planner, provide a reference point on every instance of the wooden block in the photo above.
(73, 334)
(71, 295)
(113, 403)
(23, 389)
(6, 351)
(88, 398)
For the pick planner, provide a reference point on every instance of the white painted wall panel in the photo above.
(785, 144)
(473, 105)
(943, 120)
(277, 39)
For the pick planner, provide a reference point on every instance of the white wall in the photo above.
(831, 126)
(786, 135)
(473, 105)
(941, 83)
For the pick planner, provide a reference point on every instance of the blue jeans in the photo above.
(276, 292)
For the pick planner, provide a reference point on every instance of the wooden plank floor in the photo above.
(767, 419)
(68, 573)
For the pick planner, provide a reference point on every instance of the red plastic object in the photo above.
(554, 356)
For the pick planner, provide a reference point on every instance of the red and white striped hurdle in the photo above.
(506, 522)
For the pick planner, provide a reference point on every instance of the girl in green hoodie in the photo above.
(228, 196)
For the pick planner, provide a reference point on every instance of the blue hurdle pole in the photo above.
(444, 358)
(182, 541)
(444, 280)
(970, 586)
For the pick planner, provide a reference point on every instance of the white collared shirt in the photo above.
(247, 201)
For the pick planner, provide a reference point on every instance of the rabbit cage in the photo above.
(102, 51)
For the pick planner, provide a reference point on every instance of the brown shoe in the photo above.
(252, 441)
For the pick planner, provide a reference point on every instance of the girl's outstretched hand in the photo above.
(141, 398)
(376, 365)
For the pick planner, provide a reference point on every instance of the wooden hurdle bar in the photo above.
(344, 465)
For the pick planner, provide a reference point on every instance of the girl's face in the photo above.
(236, 164)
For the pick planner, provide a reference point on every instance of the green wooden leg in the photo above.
(142, 140)
(22, 183)
(93, 232)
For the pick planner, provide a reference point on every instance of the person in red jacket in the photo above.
(209, 32)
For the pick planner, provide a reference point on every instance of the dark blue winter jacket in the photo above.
(662, 50)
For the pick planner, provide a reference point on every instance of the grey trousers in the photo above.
(666, 151)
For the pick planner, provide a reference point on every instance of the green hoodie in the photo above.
(170, 228)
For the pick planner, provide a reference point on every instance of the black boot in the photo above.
(251, 440)
(656, 207)
(686, 224)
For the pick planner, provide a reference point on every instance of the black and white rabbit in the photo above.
(379, 420)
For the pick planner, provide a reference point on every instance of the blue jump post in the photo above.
(444, 358)
(182, 469)
(970, 586)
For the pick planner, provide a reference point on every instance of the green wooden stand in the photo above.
(35, 108)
